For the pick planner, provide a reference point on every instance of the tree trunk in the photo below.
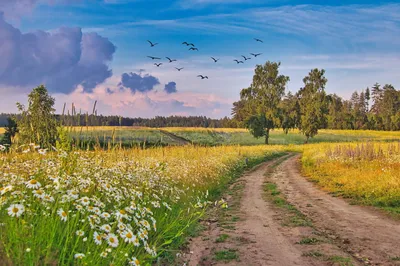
(267, 136)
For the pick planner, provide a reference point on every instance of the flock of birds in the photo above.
(194, 48)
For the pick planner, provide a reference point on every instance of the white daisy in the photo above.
(97, 238)
(80, 233)
(105, 215)
(112, 240)
(15, 210)
(106, 228)
(33, 183)
(38, 193)
(63, 215)
(128, 236)
(103, 254)
(79, 256)
(134, 261)
(85, 201)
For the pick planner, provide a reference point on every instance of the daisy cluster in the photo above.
(102, 208)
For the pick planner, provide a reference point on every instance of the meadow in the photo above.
(118, 205)
(110, 207)
(367, 173)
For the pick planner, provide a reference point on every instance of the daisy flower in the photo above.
(103, 254)
(106, 228)
(128, 236)
(38, 193)
(105, 215)
(85, 201)
(33, 183)
(112, 240)
(5, 189)
(79, 256)
(16, 210)
(121, 214)
(48, 198)
(80, 233)
(97, 238)
(134, 261)
(62, 214)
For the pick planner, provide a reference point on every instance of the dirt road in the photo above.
(298, 225)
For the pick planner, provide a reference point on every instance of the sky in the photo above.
(96, 50)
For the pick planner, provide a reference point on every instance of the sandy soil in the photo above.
(257, 234)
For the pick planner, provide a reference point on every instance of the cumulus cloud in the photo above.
(170, 87)
(138, 82)
(61, 60)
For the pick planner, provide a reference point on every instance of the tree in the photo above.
(312, 103)
(262, 99)
(38, 124)
(11, 131)
(290, 112)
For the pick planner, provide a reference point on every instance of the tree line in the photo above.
(265, 105)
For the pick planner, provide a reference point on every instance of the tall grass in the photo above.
(109, 207)
(366, 172)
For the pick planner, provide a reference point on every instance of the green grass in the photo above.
(308, 241)
(342, 261)
(314, 254)
(226, 255)
(222, 238)
(295, 217)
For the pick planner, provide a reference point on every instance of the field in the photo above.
(108, 204)
(120, 205)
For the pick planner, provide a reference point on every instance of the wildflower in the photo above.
(15, 210)
(80, 233)
(2, 148)
(84, 239)
(79, 256)
(112, 240)
(33, 183)
(106, 228)
(128, 236)
(62, 214)
(121, 214)
(97, 238)
(48, 198)
(28, 250)
(38, 193)
(85, 201)
(121, 226)
(134, 261)
(105, 215)
(5, 189)
(145, 224)
(42, 151)
(103, 254)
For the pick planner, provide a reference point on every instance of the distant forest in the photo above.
(377, 108)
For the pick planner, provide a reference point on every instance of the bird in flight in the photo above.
(258, 40)
(158, 65)
(237, 61)
(152, 44)
(215, 60)
(188, 44)
(179, 69)
(193, 48)
(246, 58)
(203, 77)
(255, 55)
(170, 60)
(152, 57)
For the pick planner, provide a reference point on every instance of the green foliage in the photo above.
(312, 103)
(262, 99)
(63, 142)
(37, 123)
(11, 131)
(226, 255)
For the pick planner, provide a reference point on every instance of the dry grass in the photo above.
(368, 172)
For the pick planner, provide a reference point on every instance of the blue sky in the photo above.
(87, 50)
